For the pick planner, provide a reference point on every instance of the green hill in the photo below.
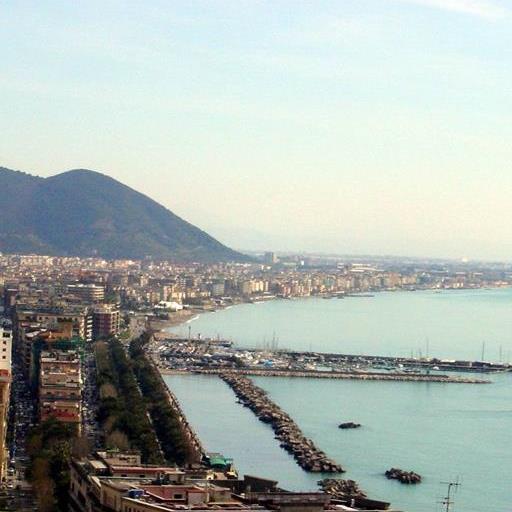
(85, 213)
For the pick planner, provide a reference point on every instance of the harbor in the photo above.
(407, 425)
(416, 418)
(216, 356)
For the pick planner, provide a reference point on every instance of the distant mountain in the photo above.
(85, 213)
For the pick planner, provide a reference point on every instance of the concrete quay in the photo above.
(315, 374)
(306, 454)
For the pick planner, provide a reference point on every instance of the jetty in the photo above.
(306, 454)
(316, 374)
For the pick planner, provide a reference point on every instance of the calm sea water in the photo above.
(456, 324)
(441, 431)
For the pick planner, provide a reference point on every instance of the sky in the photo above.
(345, 126)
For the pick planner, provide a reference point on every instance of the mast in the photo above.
(447, 500)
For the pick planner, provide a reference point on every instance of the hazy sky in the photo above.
(355, 126)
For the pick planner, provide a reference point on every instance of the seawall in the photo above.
(405, 377)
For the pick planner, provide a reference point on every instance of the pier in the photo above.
(306, 454)
(315, 374)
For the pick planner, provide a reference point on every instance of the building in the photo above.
(76, 319)
(118, 482)
(5, 389)
(60, 386)
(87, 293)
(218, 288)
(270, 258)
(105, 322)
(168, 306)
(43, 327)
(9, 300)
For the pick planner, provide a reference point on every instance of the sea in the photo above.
(445, 432)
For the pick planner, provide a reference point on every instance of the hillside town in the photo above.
(76, 350)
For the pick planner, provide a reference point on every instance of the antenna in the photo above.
(483, 351)
(447, 501)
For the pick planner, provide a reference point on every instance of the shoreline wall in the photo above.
(188, 431)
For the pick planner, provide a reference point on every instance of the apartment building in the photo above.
(117, 482)
(105, 322)
(78, 318)
(60, 386)
(87, 293)
(5, 388)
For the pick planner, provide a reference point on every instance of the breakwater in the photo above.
(304, 451)
(405, 377)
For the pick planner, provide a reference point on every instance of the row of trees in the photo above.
(173, 437)
(50, 445)
(122, 410)
(130, 419)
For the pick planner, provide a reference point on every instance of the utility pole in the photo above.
(447, 500)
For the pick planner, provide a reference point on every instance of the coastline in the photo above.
(179, 319)
(357, 471)
(159, 325)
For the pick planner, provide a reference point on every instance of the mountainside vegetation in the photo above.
(85, 213)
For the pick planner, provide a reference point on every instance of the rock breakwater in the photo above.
(404, 477)
(349, 424)
(373, 376)
(304, 451)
